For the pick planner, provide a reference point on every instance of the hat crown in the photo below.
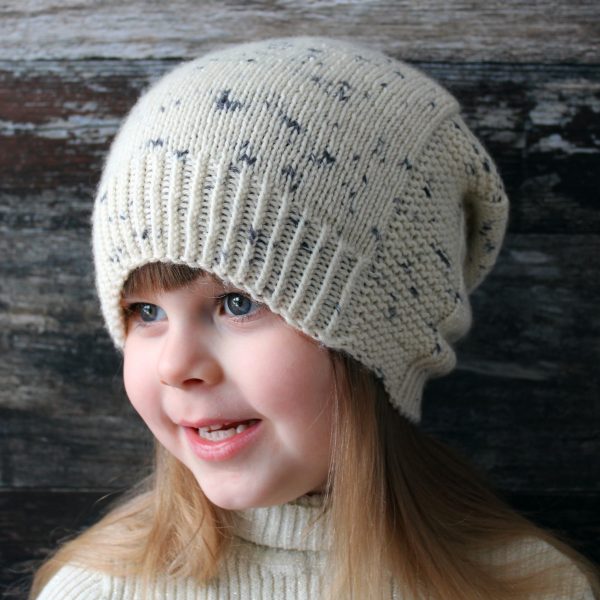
(328, 180)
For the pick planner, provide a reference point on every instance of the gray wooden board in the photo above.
(497, 30)
(523, 403)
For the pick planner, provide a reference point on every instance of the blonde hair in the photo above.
(432, 521)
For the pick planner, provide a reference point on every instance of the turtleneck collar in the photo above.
(297, 525)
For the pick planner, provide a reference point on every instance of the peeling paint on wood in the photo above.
(528, 78)
(507, 31)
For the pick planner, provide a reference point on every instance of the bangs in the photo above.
(163, 277)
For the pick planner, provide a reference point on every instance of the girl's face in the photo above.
(235, 393)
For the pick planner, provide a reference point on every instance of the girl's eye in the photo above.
(146, 312)
(239, 306)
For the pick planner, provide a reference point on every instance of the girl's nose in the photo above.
(184, 359)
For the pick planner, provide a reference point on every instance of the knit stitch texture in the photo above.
(336, 185)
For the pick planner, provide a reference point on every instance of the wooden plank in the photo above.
(72, 451)
(498, 31)
(33, 523)
(541, 125)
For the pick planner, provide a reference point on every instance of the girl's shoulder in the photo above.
(75, 583)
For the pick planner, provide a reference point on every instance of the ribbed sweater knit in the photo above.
(277, 553)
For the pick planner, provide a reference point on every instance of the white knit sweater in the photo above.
(278, 553)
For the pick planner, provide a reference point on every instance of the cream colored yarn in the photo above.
(335, 184)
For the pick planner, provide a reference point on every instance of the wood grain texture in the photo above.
(456, 30)
(523, 403)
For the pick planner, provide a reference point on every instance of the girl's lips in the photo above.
(226, 449)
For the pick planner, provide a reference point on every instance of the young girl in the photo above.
(285, 236)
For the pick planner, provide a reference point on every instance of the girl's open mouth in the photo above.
(222, 441)
(217, 433)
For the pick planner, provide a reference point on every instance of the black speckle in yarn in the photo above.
(288, 171)
(392, 312)
(162, 109)
(356, 157)
(226, 103)
(103, 198)
(442, 256)
(145, 234)
(342, 92)
(383, 84)
(432, 104)
(427, 191)
(157, 143)
(364, 178)
(351, 193)
(327, 158)
(400, 74)
(316, 79)
(376, 233)
(317, 50)
(324, 159)
(122, 217)
(489, 247)
(233, 168)
(252, 235)
(413, 291)
(406, 164)
(295, 221)
(475, 148)
(378, 146)
(485, 227)
(406, 267)
(177, 102)
(181, 153)
(470, 169)
(292, 124)
(486, 165)
(437, 349)
(247, 159)
(304, 246)
(250, 60)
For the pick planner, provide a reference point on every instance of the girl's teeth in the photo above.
(214, 433)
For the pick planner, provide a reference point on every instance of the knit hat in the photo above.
(336, 185)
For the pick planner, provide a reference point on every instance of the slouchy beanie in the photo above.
(336, 185)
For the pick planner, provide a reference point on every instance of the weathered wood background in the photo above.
(523, 402)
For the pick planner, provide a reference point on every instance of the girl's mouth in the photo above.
(217, 433)
(223, 441)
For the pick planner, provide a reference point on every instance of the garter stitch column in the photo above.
(336, 185)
